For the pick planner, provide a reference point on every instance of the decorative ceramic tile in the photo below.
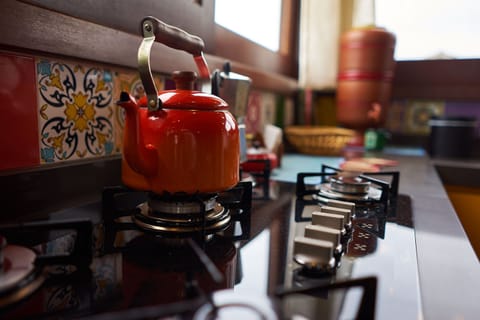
(253, 118)
(419, 112)
(289, 112)
(265, 108)
(280, 110)
(268, 108)
(395, 121)
(129, 81)
(18, 119)
(76, 108)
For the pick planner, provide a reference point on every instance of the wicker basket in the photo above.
(319, 140)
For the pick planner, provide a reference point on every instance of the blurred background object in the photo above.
(365, 75)
(452, 137)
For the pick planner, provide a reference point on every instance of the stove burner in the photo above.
(182, 215)
(363, 189)
(19, 277)
(349, 184)
(327, 190)
(347, 187)
(180, 205)
(176, 217)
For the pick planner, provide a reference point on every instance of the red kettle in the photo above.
(182, 140)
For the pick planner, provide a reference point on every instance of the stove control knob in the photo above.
(330, 220)
(342, 205)
(324, 233)
(346, 213)
(313, 253)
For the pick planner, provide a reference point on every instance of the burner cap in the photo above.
(326, 191)
(349, 185)
(182, 218)
(180, 204)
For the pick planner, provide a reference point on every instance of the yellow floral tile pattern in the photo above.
(262, 110)
(76, 107)
(78, 115)
(128, 81)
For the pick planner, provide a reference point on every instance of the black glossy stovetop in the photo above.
(143, 277)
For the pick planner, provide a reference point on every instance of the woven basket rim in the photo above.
(315, 130)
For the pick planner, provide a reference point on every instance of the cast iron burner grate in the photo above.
(381, 196)
(371, 213)
(261, 174)
(177, 216)
(387, 190)
(182, 214)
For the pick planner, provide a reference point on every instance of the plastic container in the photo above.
(375, 139)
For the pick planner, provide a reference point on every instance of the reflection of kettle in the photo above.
(234, 88)
(177, 140)
(155, 272)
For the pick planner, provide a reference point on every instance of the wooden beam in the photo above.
(438, 79)
(28, 28)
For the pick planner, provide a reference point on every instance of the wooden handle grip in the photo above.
(173, 37)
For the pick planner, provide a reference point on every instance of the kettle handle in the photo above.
(173, 37)
(153, 30)
(177, 38)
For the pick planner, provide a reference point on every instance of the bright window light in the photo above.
(258, 21)
(432, 29)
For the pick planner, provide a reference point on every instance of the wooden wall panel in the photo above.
(438, 79)
(195, 17)
(30, 28)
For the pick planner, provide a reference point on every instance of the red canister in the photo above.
(366, 69)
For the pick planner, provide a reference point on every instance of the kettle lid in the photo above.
(184, 96)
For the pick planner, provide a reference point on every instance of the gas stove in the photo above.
(348, 226)
(335, 245)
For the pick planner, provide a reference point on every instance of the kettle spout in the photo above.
(140, 156)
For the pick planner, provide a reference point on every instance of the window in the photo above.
(272, 23)
(256, 20)
(432, 29)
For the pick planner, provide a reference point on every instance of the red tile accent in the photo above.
(18, 119)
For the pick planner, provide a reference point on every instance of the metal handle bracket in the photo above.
(144, 68)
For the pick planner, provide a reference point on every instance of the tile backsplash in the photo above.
(64, 110)
(18, 120)
(61, 110)
(76, 110)
(410, 116)
(405, 117)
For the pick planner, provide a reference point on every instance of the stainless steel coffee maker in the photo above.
(234, 88)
